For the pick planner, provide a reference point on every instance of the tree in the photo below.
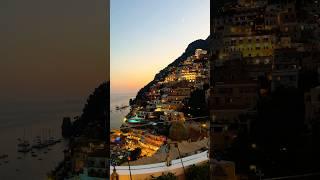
(135, 154)
(178, 131)
(94, 114)
(66, 127)
(131, 102)
(198, 172)
(168, 176)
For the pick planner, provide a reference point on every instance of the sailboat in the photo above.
(37, 143)
(23, 144)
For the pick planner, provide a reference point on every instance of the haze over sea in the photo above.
(29, 118)
(116, 116)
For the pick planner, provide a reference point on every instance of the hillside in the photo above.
(92, 122)
(197, 44)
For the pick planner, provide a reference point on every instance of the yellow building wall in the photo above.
(249, 46)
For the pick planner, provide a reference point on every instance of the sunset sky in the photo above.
(52, 49)
(147, 35)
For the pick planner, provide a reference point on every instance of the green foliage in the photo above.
(178, 131)
(168, 176)
(92, 122)
(198, 172)
(135, 154)
(66, 127)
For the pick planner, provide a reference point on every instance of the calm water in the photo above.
(28, 119)
(116, 117)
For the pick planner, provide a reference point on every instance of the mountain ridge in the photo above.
(197, 44)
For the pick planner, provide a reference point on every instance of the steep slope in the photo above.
(92, 122)
(198, 44)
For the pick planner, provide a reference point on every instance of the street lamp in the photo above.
(168, 152)
(128, 159)
(167, 149)
(114, 175)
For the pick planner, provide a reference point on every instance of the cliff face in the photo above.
(198, 44)
(92, 122)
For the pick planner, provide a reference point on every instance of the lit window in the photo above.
(267, 61)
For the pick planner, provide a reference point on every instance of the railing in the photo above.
(175, 167)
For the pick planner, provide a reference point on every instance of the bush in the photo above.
(178, 131)
(198, 172)
(168, 176)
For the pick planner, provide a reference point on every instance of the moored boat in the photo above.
(24, 146)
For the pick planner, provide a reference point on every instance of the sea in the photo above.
(26, 119)
(117, 116)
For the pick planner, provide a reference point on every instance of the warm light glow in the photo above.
(148, 46)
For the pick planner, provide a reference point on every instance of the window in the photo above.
(308, 98)
(267, 61)
(217, 101)
(228, 100)
(286, 29)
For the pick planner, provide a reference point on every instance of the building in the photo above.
(286, 68)
(222, 170)
(96, 166)
(200, 53)
(233, 93)
(312, 104)
(248, 45)
(220, 139)
(171, 115)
